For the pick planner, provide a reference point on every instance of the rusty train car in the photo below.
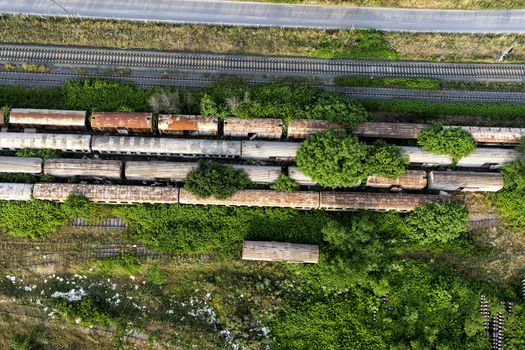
(261, 128)
(280, 251)
(304, 200)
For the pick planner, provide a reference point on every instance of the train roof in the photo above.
(466, 181)
(258, 198)
(65, 167)
(269, 150)
(20, 165)
(48, 118)
(493, 135)
(165, 146)
(65, 142)
(113, 194)
(389, 130)
(374, 201)
(302, 128)
(15, 192)
(194, 124)
(121, 122)
(258, 127)
(280, 251)
(410, 180)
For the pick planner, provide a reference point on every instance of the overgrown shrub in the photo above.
(44, 153)
(215, 179)
(333, 159)
(386, 160)
(456, 142)
(437, 222)
(521, 146)
(278, 100)
(285, 184)
(406, 83)
(511, 199)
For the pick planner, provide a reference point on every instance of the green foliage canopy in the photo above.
(386, 160)
(437, 222)
(455, 142)
(215, 179)
(285, 184)
(333, 159)
(510, 200)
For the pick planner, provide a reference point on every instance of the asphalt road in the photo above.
(283, 15)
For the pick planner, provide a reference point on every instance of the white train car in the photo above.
(270, 150)
(15, 192)
(165, 147)
(465, 181)
(20, 165)
(90, 168)
(63, 142)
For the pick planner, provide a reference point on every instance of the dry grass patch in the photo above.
(358, 44)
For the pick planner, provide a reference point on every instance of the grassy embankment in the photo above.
(359, 44)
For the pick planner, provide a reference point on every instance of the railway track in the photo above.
(80, 56)
(147, 81)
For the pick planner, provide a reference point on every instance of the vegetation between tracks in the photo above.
(360, 44)
(456, 142)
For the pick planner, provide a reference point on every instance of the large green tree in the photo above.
(333, 159)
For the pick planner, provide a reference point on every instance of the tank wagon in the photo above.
(47, 119)
(122, 123)
(84, 168)
(253, 128)
(177, 171)
(20, 165)
(280, 251)
(187, 125)
(465, 181)
(109, 194)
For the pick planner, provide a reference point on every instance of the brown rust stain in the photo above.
(390, 130)
(112, 121)
(374, 201)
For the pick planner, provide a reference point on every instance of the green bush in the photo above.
(285, 184)
(20, 342)
(44, 153)
(456, 142)
(333, 159)
(217, 180)
(437, 222)
(106, 96)
(279, 100)
(386, 160)
(406, 83)
(510, 200)
(521, 146)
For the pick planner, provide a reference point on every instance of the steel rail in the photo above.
(363, 93)
(99, 57)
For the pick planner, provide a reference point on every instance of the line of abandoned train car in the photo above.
(166, 171)
(305, 200)
(126, 123)
(268, 151)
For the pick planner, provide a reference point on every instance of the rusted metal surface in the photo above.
(165, 146)
(111, 194)
(2, 123)
(92, 168)
(465, 181)
(20, 165)
(122, 122)
(302, 128)
(48, 118)
(158, 171)
(270, 150)
(64, 142)
(374, 201)
(258, 198)
(191, 125)
(410, 180)
(177, 171)
(280, 251)
(390, 130)
(257, 127)
(15, 192)
(493, 135)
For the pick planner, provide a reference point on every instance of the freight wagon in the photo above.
(280, 251)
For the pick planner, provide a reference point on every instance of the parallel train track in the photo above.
(257, 64)
(59, 78)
